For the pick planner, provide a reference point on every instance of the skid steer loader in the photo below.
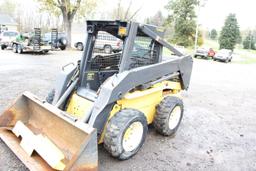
(109, 99)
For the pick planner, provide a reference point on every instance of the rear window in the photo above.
(61, 35)
(106, 36)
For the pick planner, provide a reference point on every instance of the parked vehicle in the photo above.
(30, 42)
(224, 55)
(60, 41)
(105, 42)
(104, 99)
(79, 46)
(204, 52)
(6, 38)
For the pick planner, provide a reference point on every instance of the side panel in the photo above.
(145, 100)
(118, 85)
(79, 107)
(145, 103)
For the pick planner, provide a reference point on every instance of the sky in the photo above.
(215, 11)
(212, 15)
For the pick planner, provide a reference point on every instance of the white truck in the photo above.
(105, 42)
(6, 38)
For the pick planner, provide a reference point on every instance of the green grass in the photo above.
(211, 44)
(247, 61)
(245, 56)
(166, 52)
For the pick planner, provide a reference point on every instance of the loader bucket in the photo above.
(46, 138)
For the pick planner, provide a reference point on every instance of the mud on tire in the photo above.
(164, 112)
(117, 128)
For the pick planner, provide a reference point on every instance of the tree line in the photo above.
(62, 13)
(180, 24)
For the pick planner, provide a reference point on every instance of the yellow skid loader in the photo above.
(105, 98)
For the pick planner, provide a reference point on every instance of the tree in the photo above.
(125, 11)
(230, 33)
(183, 17)
(158, 19)
(68, 9)
(8, 7)
(200, 38)
(213, 34)
(249, 42)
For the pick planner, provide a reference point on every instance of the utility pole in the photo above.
(201, 3)
(250, 45)
(197, 27)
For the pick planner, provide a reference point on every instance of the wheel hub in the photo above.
(174, 117)
(133, 136)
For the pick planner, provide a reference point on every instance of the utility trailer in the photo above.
(33, 43)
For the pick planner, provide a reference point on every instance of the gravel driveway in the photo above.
(218, 131)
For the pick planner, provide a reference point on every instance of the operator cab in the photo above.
(136, 49)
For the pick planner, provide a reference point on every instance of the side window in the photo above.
(12, 34)
(145, 52)
(6, 34)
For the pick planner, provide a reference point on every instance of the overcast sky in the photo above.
(215, 12)
(211, 16)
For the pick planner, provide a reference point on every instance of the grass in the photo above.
(246, 56)
(211, 44)
(243, 56)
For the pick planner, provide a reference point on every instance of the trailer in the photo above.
(32, 43)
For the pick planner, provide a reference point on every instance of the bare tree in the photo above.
(68, 9)
(126, 12)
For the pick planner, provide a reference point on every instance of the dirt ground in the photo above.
(218, 131)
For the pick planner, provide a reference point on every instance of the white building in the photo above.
(7, 23)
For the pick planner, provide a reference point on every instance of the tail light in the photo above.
(118, 44)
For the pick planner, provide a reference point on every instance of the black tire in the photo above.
(45, 52)
(116, 129)
(80, 46)
(19, 49)
(63, 41)
(163, 113)
(195, 56)
(3, 47)
(108, 49)
(50, 96)
(14, 48)
(62, 47)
